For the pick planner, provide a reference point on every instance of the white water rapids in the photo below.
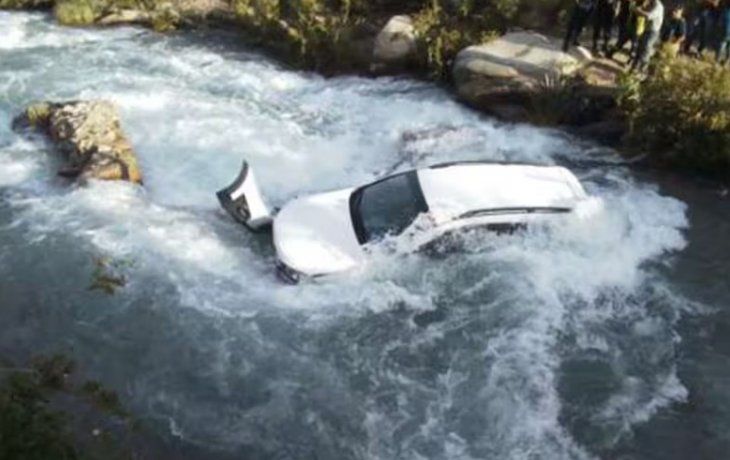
(550, 344)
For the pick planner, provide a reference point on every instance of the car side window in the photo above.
(390, 206)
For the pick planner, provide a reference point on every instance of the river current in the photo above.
(598, 339)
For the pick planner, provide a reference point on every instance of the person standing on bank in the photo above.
(723, 49)
(674, 31)
(704, 26)
(578, 19)
(624, 21)
(603, 23)
(654, 15)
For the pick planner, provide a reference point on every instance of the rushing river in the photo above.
(608, 338)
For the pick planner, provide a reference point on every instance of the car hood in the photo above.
(314, 235)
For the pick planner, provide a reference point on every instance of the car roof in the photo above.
(454, 190)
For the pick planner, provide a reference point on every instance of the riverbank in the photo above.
(426, 40)
(492, 56)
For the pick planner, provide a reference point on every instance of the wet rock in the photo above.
(126, 17)
(395, 46)
(500, 76)
(163, 17)
(89, 134)
(201, 8)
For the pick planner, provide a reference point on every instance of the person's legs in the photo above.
(597, 27)
(575, 27)
(635, 41)
(692, 33)
(572, 27)
(704, 31)
(623, 36)
(720, 52)
(602, 25)
(723, 51)
(637, 51)
(607, 29)
(583, 17)
(647, 48)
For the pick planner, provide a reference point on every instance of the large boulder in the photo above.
(89, 134)
(395, 46)
(125, 16)
(500, 76)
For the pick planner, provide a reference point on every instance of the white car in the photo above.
(332, 232)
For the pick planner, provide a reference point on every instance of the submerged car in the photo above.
(332, 232)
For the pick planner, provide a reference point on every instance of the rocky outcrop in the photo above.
(161, 16)
(89, 134)
(126, 17)
(500, 76)
(395, 46)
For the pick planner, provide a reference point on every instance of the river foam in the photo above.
(468, 356)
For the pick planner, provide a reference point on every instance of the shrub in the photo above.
(681, 114)
(25, 4)
(312, 30)
(32, 426)
(28, 428)
(442, 35)
(75, 12)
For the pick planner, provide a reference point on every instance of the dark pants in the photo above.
(578, 21)
(603, 25)
(702, 31)
(625, 30)
(646, 49)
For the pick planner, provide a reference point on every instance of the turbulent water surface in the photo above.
(602, 338)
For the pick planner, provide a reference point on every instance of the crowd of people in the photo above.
(645, 25)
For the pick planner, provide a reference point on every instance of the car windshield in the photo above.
(386, 207)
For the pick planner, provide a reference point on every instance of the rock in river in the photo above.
(89, 134)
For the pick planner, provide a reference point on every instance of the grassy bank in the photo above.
(680, 115)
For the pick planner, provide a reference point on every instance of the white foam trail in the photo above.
(24, 31)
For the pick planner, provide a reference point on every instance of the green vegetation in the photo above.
(25, 4)
(28, 428)
(161, 16)
(315, 34)
(681, 115)
(323, 34)
(75, 12)
(106, 276)
(32, 429)
(550, 104)
(104, 399)
(442, 34)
